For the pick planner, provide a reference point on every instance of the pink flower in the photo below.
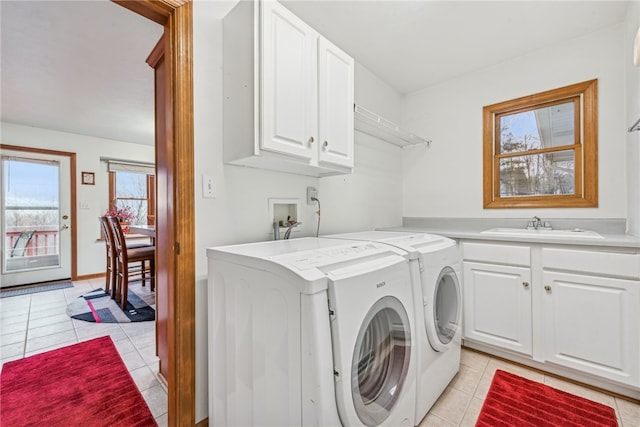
(123, 214)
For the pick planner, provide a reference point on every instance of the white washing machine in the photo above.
(438, 305)
(311, 332)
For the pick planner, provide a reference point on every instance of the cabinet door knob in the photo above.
(310, 140)
(325, 144)
(525, 284)
(547, 288)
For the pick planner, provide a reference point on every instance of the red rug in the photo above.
(516, 401)
(84, 384)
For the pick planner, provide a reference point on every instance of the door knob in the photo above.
(310, 140)
(65, 226)
(525, 284)
(325, 144)
(547, 288)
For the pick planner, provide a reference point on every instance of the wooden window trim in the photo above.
(586, 170)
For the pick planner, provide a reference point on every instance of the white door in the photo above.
(289, 113)
(335, 100)
(590, 325)
(36, 218)
(497, 306)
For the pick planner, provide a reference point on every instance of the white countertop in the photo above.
(472, 229)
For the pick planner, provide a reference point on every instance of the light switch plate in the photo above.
(208, 190)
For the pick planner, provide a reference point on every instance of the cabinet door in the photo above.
(497, 306)
(288, 83)
(335, 104)
(591, 324)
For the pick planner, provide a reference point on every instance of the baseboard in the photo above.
(89, 276)
(203, 423)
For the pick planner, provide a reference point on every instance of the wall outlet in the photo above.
(311, 192)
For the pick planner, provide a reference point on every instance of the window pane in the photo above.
(551, 126)
(538, 174)
(131, 185)
(131, 191)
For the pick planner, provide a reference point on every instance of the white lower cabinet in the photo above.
(556, 306)
(497, 301)
(591, 324)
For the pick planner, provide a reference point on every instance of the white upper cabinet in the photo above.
(288, 94)
(289, 74)
(335, 105)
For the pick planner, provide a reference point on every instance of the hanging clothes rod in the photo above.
(635, 126)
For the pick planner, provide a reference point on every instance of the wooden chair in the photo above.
(125, 256)
(112, 273)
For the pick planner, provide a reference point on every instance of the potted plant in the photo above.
(124, 215)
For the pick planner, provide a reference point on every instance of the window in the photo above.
(540, 151)
(133, 186)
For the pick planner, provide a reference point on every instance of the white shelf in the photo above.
(370, 123)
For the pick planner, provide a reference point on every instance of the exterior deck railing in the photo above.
(43, 242)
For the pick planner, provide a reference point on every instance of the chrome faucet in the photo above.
(534, 224)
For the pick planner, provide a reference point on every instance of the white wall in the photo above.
(91, 255)
(446, 179)
(368, 198)
(632, 91)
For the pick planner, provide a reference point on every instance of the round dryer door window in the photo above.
(446, 310)
(380, 360)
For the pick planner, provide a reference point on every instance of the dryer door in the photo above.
(442, 317)
(380, 360)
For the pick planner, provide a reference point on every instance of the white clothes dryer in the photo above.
(436, 277)
(311, 332)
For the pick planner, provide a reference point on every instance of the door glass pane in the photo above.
(31, 214)
(380, 360)
(538, 174)
(446, 310)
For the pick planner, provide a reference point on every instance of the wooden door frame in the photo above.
(177, 17)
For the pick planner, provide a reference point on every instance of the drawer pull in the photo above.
(525, 284)
(310, 140)
(547, 288)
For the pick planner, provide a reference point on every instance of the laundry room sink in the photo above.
(577, 233)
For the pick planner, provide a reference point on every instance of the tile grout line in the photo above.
(466, 410)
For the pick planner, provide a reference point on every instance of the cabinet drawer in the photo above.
(596, 262)
(500, 254)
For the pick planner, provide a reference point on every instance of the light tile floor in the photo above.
(35, 323)
(461, 402)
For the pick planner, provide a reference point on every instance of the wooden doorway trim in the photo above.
(177, 16)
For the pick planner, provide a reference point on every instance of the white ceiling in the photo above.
(415, 44)
(79, 66)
